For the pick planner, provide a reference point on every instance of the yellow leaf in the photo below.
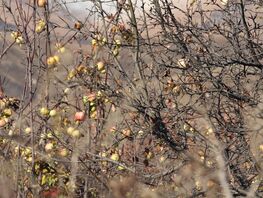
(43, 180)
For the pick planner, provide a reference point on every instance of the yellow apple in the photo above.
(99, 94)
(115, 157)
(93, 42)
(7, 112)
(41, 3)
(209, 131)
(93, 115)
(44, 111)
(57, 59)
(100, 66)
(67, 90)
(28, 130)
(29, 159)
(224, 2)
(53, 113)
(70, 130)
(162, 159)
(40, 26)
(75, 133)
(118, 42)
(186, 127)
(126, 132)
(51, 60)
(140, 133)
(149, 155)
(2, 104)
(19, 40)
(63, 152)
(49, 146)
(106, 100)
